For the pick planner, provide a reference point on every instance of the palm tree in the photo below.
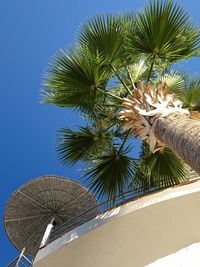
(100, 78)
(158, 117)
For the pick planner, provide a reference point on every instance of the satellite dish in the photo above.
(32, 207)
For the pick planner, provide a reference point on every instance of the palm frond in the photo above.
(174, 81)
(73, 79)
(192, 94)
(160, 169)
(105, 34)
(134, 72)
(111, 173)
(82, 145)
(137, 71)
(130, 75)
(105, 117)
(163, 30)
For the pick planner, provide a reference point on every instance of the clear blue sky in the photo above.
(31, 31)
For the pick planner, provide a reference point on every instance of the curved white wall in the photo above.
(139, 233)
(186, 257)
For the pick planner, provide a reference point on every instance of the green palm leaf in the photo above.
(137, 71)
(105, 34)
(163, 30)
(191, 94)
(159, 169)
(175, 81)
(73, 79)
(105, 117)
(111, 173)
(82, 145)
(130, 75)
(133, 73)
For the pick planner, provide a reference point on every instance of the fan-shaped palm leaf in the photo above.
(192, 94)
(163, 30)
(105, 34)
(73, 79)
(137, 71)
(160, 169)
(111, 173)
(82, 145)
(133, 73)
(174, 81)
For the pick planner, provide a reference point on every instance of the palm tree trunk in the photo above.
(182, 135)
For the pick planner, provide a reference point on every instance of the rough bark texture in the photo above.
(182, 135)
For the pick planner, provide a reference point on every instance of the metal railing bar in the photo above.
(13, 262)
(26, 259)
(97, 206)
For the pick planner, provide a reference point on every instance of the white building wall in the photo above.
(186, 257)
(139, 233)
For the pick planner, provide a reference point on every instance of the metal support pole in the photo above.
(20, 256)
(47, 233)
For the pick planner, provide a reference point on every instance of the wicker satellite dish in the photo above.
(32, 207)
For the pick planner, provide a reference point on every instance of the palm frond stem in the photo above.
(110, 126)
(125, 139)
(151, 68)
(120, 79)
(109, 94)
(131, 80)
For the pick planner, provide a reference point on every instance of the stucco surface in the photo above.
(136, 234)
